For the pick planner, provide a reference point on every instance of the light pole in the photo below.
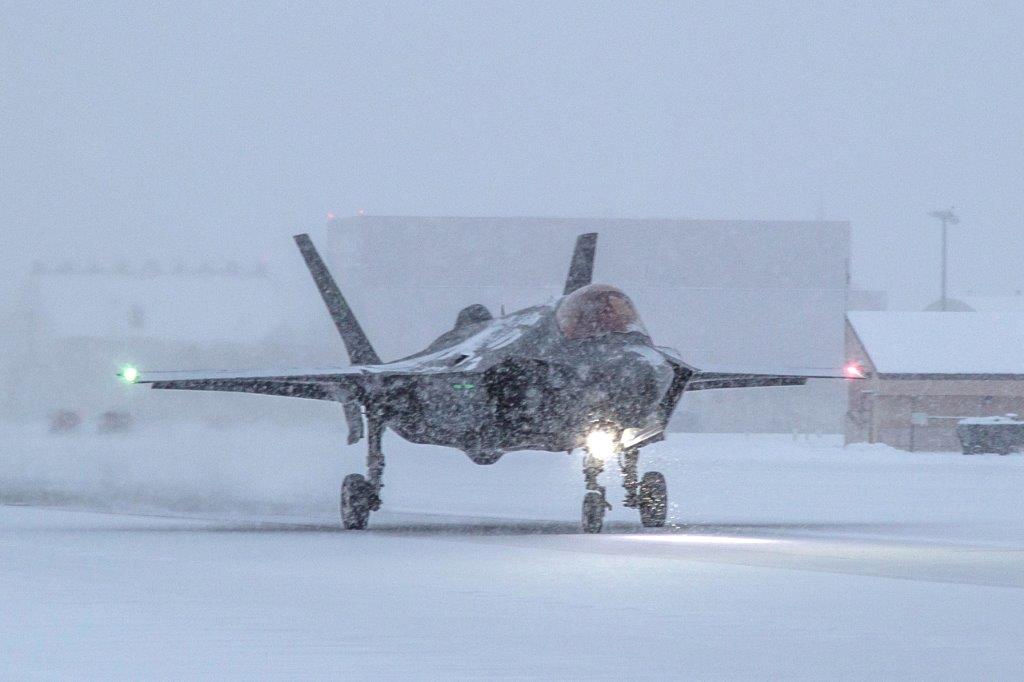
(948, 218)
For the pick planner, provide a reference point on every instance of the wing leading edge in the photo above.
(709, 378)
(338, 384)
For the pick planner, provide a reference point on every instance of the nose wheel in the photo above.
(593, 512)
(648, 494)
(653, 500)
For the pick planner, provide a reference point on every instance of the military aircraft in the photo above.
(579, 373)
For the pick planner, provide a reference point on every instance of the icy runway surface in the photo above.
(187, 551)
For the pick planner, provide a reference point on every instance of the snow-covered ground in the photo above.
(187, 551)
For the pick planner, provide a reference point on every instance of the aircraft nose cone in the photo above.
(624, 388)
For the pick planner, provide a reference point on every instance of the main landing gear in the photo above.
(649, 494)
(594, 502)
(360, 495)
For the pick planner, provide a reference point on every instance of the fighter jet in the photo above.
(580, 373)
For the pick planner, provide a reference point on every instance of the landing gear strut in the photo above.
(594, 502)
(361, 495)
(627, 465)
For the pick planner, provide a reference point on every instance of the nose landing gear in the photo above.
(648, 494)
(594, 502)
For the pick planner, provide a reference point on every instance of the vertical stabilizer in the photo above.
(581, 270)
(360, 351)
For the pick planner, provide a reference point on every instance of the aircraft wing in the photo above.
(338, 384)
(744, 377)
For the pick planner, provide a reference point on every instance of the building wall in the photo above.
(879, 410)
(770, 293)
(867, 299)
(72, 331)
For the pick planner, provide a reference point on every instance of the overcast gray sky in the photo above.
(215, 129)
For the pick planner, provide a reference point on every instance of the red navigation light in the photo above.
(853, 370)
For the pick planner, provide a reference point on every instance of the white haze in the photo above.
(215, 131)
(134, 134)
(159, 156)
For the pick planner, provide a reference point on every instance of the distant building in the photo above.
(76, 326)
(746, 292)
(927, 370)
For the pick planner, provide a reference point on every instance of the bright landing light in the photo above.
(853, 370)
(601, 444)
(129, 374)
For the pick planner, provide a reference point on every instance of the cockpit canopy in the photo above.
(596, 310)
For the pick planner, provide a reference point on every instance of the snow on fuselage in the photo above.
(520, 382)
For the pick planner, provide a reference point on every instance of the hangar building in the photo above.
(927, 370)
(77, 324)
(743, 292)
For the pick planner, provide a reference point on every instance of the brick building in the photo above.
(926, 370)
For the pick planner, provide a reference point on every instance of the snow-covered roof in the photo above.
(904, 342)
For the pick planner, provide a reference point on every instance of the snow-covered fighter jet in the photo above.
(581, 373)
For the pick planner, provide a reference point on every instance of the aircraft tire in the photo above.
(653, 500)
(355, 502)
(593, 512)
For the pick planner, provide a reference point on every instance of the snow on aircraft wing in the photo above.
(339, 384)
(743, 377)
(347, 383)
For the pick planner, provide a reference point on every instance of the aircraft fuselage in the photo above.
(535, 390)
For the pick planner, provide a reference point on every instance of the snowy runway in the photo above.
(788, 559)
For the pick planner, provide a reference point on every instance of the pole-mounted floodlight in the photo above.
(948, 218)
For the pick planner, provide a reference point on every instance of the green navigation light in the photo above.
(130, 374)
